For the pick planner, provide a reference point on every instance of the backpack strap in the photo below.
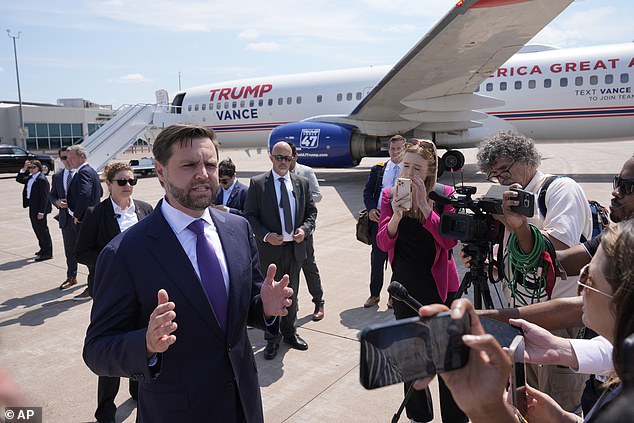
(541, 198)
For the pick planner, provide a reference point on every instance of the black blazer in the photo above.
(39, 202)
(58, 193)
(262, 211)
(236, 199)
(84, 191)
(201, 376)
(99, 227)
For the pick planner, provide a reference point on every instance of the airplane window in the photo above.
(226, 104)
(189, 108)
(251, 103)
(280, 101)
(211, 106)
(260, 102)
(319, 98)
(339, 97)
(594, 80)
(532, 83)
(518, 85)
(219, 105)
(242, 104)
(579, 81)
(359, 95)
(195, 107)
(203, 106)
(489, 86)
(563, 82)
(548, 83)
(625, 78)
(270, 101)
(349, 96)
(609, 79)
(298, 99)
(502, 86)
(289, 100)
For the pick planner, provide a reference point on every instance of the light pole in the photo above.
(21, 130)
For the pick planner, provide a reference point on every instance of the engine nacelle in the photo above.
(322, 144)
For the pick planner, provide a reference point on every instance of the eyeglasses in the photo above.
(496, 176)
(585, 281)
(31, 167)
(123, 182)
(626, 186)
(281, 158)
(63, 157)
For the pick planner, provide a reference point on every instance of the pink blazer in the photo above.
(443, 270)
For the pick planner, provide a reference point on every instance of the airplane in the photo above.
(468, 77)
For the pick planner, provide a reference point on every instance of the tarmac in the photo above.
(42, 329)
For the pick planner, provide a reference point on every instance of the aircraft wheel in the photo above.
(453, 160)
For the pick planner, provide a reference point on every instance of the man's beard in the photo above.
(185, 199)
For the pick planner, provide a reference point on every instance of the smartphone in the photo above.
(517, 390)
(527, 202)
(404, 190)
(503, 332)
(409, 349)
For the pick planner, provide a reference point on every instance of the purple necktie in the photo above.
(210, 273)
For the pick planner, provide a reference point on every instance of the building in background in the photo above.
(51, 126)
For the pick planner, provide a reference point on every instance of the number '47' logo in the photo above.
(309, 138)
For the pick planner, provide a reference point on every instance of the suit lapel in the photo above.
(179, 272)
(271, 198)
(298, 197)
(112, 226)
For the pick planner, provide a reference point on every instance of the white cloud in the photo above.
(1, 69)
(249, 34)
(264, 47)
(132, 78)
(401, 29)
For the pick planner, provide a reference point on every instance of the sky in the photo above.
(116, 52)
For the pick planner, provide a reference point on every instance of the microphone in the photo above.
(399, 292)
(440, 198)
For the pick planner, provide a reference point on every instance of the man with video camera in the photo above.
(511, 159)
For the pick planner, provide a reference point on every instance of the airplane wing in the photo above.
(432, 86)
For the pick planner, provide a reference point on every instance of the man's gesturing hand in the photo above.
(160, 327)
(276, 296)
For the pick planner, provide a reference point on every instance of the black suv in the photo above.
(12, 159)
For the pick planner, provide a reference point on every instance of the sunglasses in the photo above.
(586, 282)
(123, 182)
(63, 157)
(281, 158)
(626, 186)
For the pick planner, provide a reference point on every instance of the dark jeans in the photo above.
(378, 259)
(311, 273)
(286, 265)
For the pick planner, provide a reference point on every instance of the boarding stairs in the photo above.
(119, 133)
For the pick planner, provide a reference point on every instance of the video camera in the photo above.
(478, 226)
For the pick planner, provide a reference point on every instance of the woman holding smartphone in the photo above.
(421, 259)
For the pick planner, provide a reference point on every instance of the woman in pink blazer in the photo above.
(421, 259)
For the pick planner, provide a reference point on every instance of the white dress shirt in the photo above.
(125, 217)
(291, 199)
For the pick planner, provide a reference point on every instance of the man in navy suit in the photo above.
(83, 191)
(189, 349)
(35, 198)
(59, 187)
(232, 193)
(282, 213)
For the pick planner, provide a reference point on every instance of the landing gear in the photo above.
(452, 160)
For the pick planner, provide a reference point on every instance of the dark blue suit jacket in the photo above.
(199, 375)
(58, 193)
(84, 191)
(372, 189)
(38, 201)
(236, 198)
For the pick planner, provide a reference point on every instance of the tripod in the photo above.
(476, 276)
